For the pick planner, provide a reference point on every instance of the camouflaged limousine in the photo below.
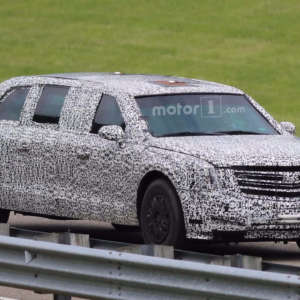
(180, 158)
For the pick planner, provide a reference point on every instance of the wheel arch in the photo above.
(144, 183)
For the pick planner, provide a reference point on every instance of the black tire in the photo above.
(4, 215)
(298, 243)
(161, 216)
(126, 228)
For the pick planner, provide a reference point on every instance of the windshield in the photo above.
(202, 114)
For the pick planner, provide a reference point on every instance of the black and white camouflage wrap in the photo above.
(63, 170)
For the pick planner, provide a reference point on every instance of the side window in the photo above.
(108, 113)
(50, 104)
(12, 103)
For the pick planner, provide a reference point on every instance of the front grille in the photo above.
(270, 181)
(268, 168)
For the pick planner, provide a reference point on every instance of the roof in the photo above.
(142, 84)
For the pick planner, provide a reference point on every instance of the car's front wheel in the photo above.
(161, 215)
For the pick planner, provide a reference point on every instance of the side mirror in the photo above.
(289, 127)
(112, 133)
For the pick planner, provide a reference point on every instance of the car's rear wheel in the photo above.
(161, 215)
(4, 215)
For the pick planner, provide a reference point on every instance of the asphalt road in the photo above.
(280, 253)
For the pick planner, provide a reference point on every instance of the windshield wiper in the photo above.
(238, 132)
(230, 132)
(188, 133)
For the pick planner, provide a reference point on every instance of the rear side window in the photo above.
(12, 103)
(108, 113)
(50, 104)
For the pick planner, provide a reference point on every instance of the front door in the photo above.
(98, 168)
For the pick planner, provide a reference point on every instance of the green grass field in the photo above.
(254, 45)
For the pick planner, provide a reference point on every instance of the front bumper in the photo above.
(228, 212)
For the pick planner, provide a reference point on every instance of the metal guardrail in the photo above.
(105, 274)
(237, 260)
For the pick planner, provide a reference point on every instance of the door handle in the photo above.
(83, 154)
(24, 145)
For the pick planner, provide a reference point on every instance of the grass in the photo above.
(254, 45)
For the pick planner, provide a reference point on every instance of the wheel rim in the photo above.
(157, 219)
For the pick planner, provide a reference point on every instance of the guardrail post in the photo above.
(4, 229)
(75, 239)
(247, 262)
(150, 250)
(66, 238)
(48, 237)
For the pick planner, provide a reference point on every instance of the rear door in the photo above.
(12, 161)
(39, 139)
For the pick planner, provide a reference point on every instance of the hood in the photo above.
(236, 150)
